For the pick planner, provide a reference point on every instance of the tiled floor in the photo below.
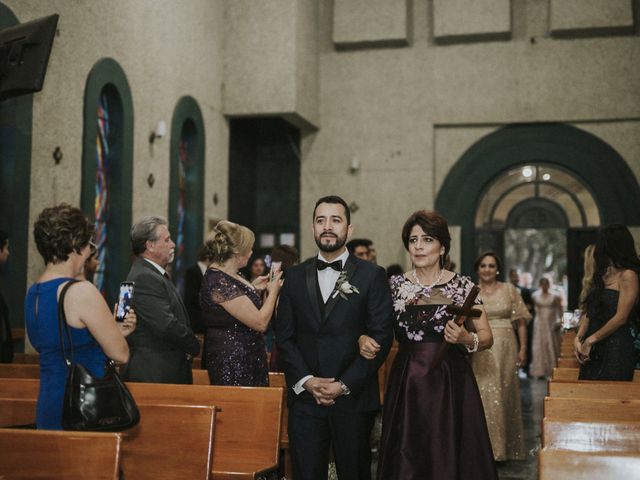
(532, 394)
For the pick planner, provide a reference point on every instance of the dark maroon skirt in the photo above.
(433, 424)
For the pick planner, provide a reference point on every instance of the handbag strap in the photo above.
(62, 323)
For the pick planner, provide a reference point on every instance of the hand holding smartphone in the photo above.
(275, 269)
(124, 300)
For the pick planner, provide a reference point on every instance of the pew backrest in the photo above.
(591, 409)
(571, 374)
(19, 370)
(247, 430)
(171, 441)
(620, 436)
(559, 464)
(59, 455)
(595, 389)
(17, 411)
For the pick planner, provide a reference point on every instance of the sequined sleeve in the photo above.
(518, 308)
(223, 287)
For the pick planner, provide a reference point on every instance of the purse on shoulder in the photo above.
(90, 403)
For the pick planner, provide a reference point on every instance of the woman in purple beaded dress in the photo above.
(234, 313)
(433, 423)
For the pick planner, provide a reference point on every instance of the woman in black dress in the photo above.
(604, 344)
(433, 423)
(233, 310)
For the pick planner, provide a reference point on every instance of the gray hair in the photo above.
(145, 231)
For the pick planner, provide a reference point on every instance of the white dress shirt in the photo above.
(158, 267)
(327, 281)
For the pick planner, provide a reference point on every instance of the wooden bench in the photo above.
(247, 430)
(171, 441)
(591, 409)
(571, 374)
(31, 358)
(59, 455)
(17, 411)
(568, 362)
(591, 436)
(563, 464)
(595, 389)
(186, 433)
(19, 370)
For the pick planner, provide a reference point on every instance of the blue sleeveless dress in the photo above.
(43, 335)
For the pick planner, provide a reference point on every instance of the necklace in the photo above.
(428, 287)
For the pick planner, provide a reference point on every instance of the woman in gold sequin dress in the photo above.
(496, 369)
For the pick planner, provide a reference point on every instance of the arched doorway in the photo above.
(588, 184)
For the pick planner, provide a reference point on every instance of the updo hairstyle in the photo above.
(228, 239)
(61, 230)
(432, 223)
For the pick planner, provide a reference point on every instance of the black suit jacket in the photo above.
(163, 339)
(192, 283)
(6, 340)
(323, 342)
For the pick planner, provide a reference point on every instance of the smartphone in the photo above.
(275, 268)
(124, 300)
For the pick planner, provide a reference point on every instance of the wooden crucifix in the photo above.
(461, 315)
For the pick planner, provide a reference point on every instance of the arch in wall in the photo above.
(186, 188)
(15, 186)
(597, 165)
(107, 170)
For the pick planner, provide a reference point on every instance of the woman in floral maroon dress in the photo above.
(433, 423)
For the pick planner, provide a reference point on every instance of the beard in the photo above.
(330, 247)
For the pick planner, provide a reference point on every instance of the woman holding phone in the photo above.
(233, 310)
(62, 235)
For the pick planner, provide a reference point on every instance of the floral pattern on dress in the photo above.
(430, 320)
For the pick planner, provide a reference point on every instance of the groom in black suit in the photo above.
(325, 305)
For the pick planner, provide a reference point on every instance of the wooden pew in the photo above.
(247, 431)
(31, 358)
(591, 409)
(17, 411)
(169, 438)
(26, 454)
(571, 374)
(563, 464)
(568, 362)
(19, 370)
(595, 389)
(171, 441)
(591, 436)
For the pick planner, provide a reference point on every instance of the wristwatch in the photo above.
(345, 389)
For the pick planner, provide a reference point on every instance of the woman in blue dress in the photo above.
(62, 234)
(604, 343)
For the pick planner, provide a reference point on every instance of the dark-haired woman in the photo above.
(604, 344)
(433, 423)
(233, 310)
(62, 235)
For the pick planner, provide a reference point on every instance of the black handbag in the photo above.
(90, 403)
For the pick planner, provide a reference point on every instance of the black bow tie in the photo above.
(337, 265)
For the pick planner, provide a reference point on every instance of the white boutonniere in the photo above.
(343, 287)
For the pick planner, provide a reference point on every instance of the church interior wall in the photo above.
(163, 61)
(390, 106)
(401, 89)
